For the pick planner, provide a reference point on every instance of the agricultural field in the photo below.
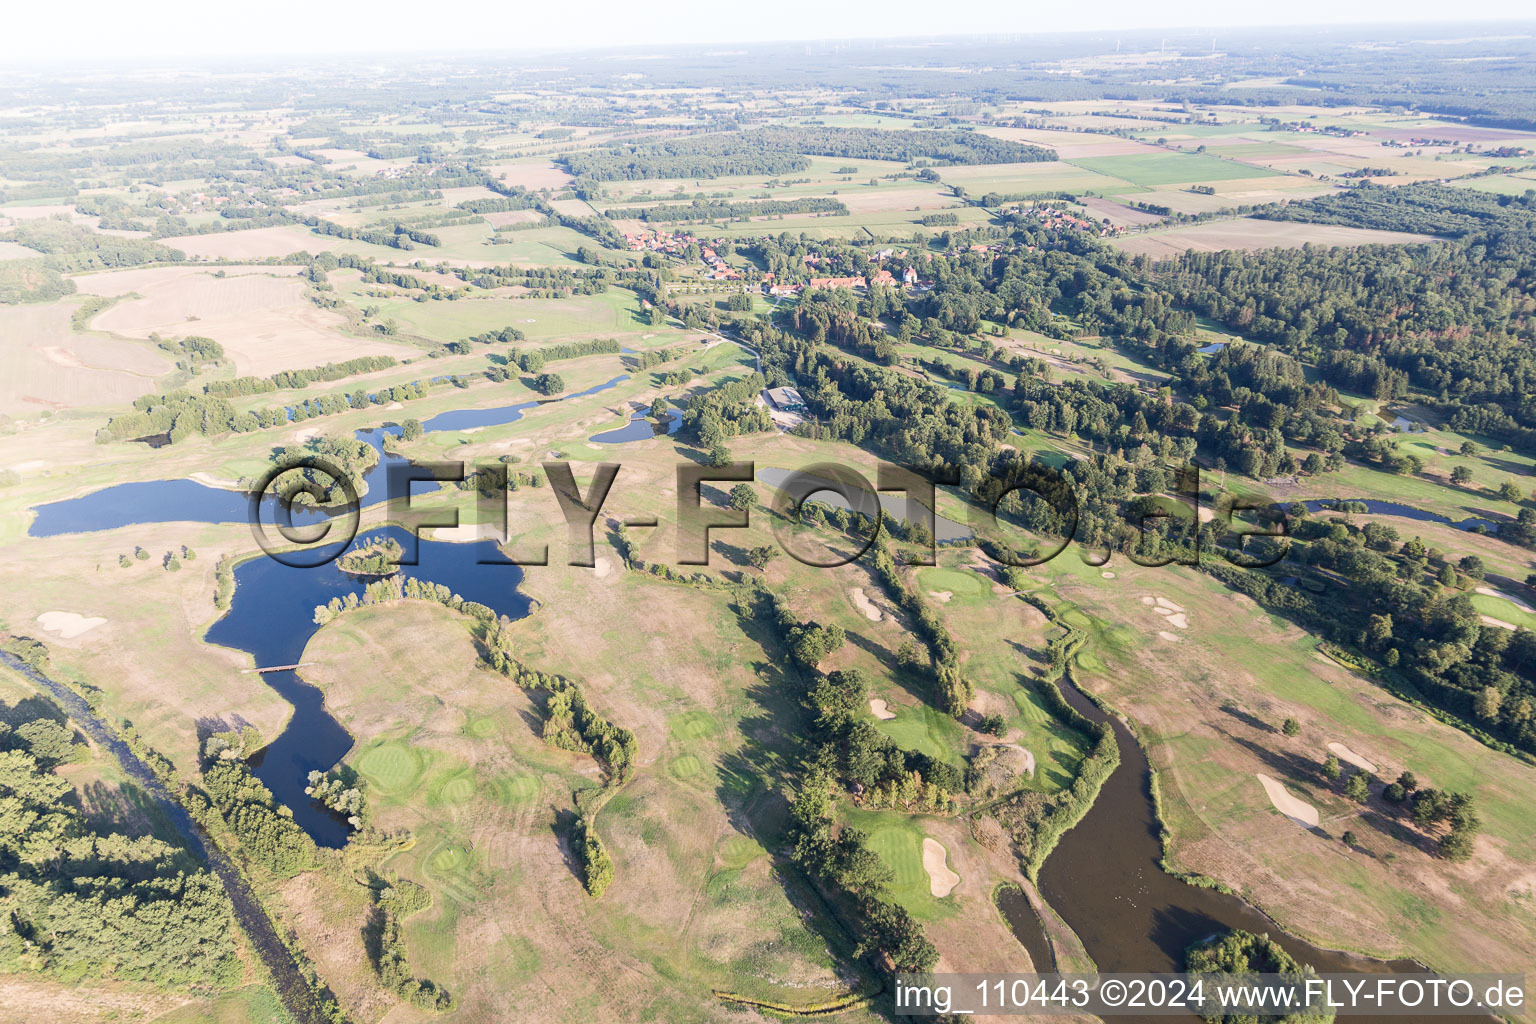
(576, 716)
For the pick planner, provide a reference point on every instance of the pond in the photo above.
(272, 619)
(1393, 508)
(187, 501)
(640, 428)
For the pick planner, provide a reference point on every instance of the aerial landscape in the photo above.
(693, 532)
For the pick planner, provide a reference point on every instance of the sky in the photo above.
(94, 29)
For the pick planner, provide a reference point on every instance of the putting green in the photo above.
(390, 767)
(901, 851)
(516, 790)
(483, 727)
(958, 583)
(694, 725)
(456, 790)
(449, 859)
(686, 766)
(739, 851)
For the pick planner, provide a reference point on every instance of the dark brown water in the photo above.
(1106, 881)
(1026, 927)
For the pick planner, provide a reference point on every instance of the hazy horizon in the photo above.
(181, 31)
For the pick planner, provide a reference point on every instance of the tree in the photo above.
(813, 642)
(549, 383)
(1447, 577)
(140, 554)
(1331, 769)
(839, 698)
(761, 556)
(124, 561)
(1380, 629)
(1461, 475)
(411, 429)
(1291, 727)
(1468, 448)
(743, 497)
(994, 724)
(1349, 838)
(658, 408)
(1358, 788)
(1487, 703)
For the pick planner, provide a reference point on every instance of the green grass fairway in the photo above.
(1172, 168)
(391, 768)
(1503, 610)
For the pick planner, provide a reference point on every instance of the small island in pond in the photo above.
(376, 558)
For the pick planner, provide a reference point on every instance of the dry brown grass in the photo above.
(261, 318)
(256, 244)
(147, 656)
(1249, 235)
(48, 366)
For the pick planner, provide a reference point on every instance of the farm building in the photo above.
(785, 399)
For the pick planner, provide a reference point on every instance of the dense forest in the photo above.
(83, 898)
(777, 151)
(1386, 320)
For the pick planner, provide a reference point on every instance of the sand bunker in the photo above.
(940, 879)
(878, 709)
(1489, 620)
(1107, 575)
(1180, 620)
(1149, 600)
(467, 533)
(603, 567)
(1295, 808)
(862, 602)
(1163, 602)
(1167, 635)
(68, 624)
(1343, 753)
(941, 596)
